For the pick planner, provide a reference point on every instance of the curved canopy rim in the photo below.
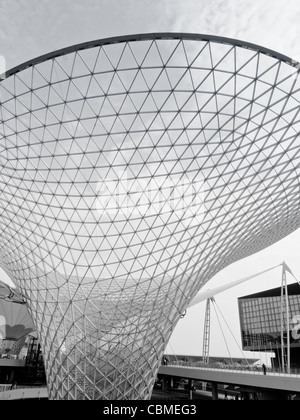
(150, 37)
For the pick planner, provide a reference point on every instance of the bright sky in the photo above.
(29, 28)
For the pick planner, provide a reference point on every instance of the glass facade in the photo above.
(261, 322)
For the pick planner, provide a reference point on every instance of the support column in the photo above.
(215, 391)
(164, 384)
(190, 389)
(93, 357)
(285, 326)
(11, 376)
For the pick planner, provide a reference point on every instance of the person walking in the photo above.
(264, 369)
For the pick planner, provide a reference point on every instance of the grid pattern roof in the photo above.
(131, 171)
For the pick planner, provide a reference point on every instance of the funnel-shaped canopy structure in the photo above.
(132, 170)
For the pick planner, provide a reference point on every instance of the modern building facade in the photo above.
(15, 322)
(25, 370)
(261, 318)
(132, 170)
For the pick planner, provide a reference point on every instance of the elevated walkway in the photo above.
(272, 381)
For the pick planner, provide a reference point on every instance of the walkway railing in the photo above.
(243, 369)
(5, 387)
(6, 393)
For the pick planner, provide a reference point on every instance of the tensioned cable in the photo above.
(224, 337)
(231, 332)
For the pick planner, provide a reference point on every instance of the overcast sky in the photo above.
(29, 28)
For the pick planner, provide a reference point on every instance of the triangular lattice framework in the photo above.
(106, 270)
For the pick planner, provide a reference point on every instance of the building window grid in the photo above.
(262, 319)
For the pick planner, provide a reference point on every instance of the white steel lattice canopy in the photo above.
(132, 170)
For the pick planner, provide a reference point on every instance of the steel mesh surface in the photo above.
(87, 135)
